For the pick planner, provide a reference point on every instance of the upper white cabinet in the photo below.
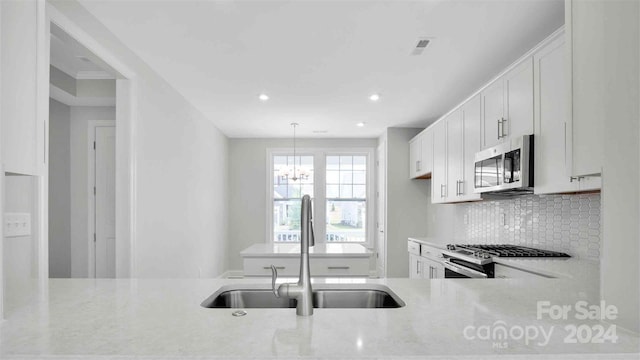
(534, 96)
(22, 135)
(507, 105)
(552, 158)
(439, 175)
(587, 52)
(492, 113)
(519, 100)
(421, 155)
(454, 154)
(471, 116)
(553, 128)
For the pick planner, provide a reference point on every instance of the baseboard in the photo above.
(232, 274)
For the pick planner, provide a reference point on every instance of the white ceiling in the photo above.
(68, 55)
(320, 60)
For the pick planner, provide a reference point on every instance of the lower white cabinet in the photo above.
(432, 269)
(415, 266)
(424, 261)
(319, 266)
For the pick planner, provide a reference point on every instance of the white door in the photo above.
(380, 228)
(105, 201)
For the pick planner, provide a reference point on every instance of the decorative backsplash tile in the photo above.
(567, 223)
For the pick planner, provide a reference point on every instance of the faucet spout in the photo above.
(301, 290)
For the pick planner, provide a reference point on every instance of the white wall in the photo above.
(406, 201)
(620, 268)
(19, 252)
(79, 178)
(180, 169)
(248, 185)
(59, 191)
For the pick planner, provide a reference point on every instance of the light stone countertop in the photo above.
(293, 250)
(163, 319)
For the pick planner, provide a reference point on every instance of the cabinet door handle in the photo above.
(276, 267)
(418, 166)
(460, 187)
(499, 122)
(338, 267)
(442, 186)
(503, 133)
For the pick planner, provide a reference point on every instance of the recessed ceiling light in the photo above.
(263, 97)
(374, 97)
(360, 124)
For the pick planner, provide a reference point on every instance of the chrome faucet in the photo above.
(301, 291)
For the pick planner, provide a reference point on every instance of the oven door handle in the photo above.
(464, 271)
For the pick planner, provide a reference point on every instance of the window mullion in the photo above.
(320, 213)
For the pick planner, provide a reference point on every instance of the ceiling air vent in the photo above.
(420, 46)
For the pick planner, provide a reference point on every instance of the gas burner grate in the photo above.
(513, 251)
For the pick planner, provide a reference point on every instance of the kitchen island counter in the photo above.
(163, 318)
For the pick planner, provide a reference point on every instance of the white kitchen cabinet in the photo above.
(471, 115)
(507, 105)
(492, 113)
(319, 266)
(589, 45)
(439, 174)
(552, 158)
(553, 155)
(462, 142)
(421, 155)
(415, 266)
(426, 147)
(432, 267)
(455, 158)
(22, 135)
(518, 85)
(415, 154)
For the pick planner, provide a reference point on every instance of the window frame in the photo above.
(319, 188)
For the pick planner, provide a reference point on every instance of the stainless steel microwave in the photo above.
(506, 168)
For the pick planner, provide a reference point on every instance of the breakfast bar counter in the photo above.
(163, 318)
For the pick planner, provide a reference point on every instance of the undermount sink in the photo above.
(367, 296)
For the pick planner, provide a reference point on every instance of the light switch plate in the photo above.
(17, 224)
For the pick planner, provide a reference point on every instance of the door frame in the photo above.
(126, 117)
(91, 198)
(381, 196)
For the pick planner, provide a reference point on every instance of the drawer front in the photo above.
(339, 267)
(262, 266)
(413, 247)
(431, 252)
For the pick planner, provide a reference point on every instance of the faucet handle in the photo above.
(274, 276)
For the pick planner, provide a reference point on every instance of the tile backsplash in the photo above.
(567, 223)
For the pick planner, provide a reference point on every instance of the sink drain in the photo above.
(239, 313)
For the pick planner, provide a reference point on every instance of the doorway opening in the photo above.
(82, 161)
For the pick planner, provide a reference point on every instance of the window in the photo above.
(339, 185)
(290, 183)
(346, 198)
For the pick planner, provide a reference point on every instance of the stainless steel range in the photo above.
(476, 261)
